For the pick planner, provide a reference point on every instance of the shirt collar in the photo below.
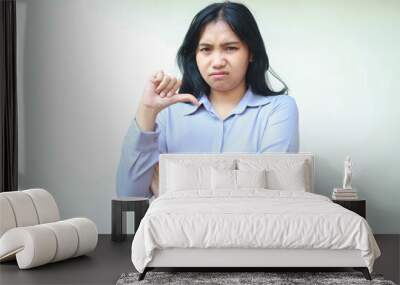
(249, 99)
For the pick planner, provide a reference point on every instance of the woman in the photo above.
(223, 105)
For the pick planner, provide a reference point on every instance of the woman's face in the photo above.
(221, 51)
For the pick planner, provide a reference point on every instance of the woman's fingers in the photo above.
(174, 88)
(163, 84)
(157, 76)
(169, 87)
(162, 92)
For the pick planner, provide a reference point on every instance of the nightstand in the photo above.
(119, 207)
(357, 206)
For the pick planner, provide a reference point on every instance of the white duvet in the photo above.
(251, 218)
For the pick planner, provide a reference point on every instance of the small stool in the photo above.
(119, 207)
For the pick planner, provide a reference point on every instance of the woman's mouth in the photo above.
(219, 75)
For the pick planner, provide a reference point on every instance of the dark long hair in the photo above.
(242, 22)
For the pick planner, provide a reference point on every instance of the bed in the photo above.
(245, 210)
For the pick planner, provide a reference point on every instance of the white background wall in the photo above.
(82, 65)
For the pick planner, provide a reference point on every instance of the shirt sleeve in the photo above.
(140, 152)
(282, 129)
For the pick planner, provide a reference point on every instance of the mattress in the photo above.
(250, 219)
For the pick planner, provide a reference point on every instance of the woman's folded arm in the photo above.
(140, 154)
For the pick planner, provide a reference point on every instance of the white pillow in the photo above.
(282, 174)
(196, 175)
(251, 178)
(227, 179)
(288, 179)
(223, 179)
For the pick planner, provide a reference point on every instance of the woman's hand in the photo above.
(160, 92)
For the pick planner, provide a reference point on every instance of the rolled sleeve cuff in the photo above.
(141, 140)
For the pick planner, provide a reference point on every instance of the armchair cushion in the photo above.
(46, 243)
(31, 233)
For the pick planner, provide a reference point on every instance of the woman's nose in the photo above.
(218, 60)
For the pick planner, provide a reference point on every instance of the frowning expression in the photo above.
(221, 57)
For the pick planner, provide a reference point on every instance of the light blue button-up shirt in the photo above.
(258, 124)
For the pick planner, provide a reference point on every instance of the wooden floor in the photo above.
(111, 259)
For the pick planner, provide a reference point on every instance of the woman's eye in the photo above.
(228, 48)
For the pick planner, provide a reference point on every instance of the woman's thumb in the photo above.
(184, 97)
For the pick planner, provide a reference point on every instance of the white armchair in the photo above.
(31, 231)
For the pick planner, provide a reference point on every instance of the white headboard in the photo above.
(167, 157)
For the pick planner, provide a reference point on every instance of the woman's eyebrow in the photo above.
(223, 44)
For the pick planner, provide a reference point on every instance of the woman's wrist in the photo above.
(146, 117)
